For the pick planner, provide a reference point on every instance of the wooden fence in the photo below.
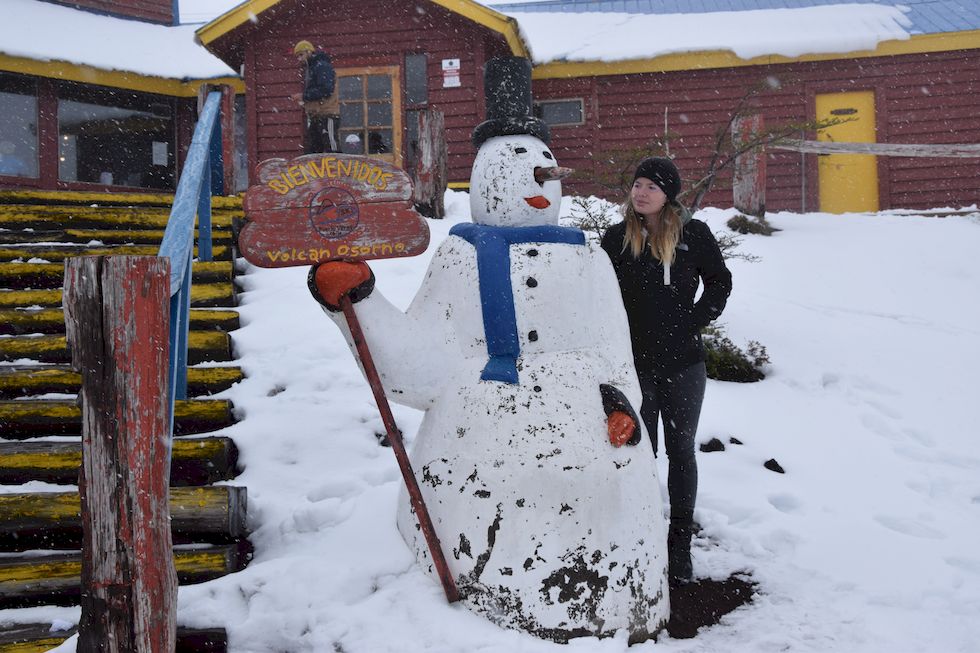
(749, 176)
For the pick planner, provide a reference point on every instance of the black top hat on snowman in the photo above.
(507, 85)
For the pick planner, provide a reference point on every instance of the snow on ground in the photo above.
(866, 544)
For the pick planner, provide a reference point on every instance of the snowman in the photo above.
(517, 348)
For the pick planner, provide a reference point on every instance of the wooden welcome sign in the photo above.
(320, 207)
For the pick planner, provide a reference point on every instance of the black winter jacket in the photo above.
(319, 77)
(665, 322)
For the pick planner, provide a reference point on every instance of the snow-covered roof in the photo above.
(610, 31)
(41, 31)
(613, 36)
(925, 16)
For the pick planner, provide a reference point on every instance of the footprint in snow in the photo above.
(786, 503)
(337, 488)
(966, 564)
(909, 527)
(325, 514)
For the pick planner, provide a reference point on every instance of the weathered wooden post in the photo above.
(749, 177)
(228, 137)
(116, 319)
(429, 177)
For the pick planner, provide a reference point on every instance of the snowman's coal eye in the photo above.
(547, 155)
(520, 150)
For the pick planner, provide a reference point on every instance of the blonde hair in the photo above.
(662, 240)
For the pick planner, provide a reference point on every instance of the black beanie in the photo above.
(663, 173)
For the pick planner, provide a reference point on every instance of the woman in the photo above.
(660, 254)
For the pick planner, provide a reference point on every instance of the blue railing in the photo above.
(193, 196)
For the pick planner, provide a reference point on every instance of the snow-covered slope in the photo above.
(866, 544)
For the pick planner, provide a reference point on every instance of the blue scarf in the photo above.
(496, 295)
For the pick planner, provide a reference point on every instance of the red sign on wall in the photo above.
(320, 207)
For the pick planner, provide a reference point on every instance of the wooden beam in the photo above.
(52, 320)
(61, 253)
(880, 149)
(213, 513)
(194, 461)
(55, 578)
(201, 345)
(25, 419)
(21, 381)
(39, 638)
(18, 276)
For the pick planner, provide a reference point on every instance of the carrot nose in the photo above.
(538, 201)
(555, 173)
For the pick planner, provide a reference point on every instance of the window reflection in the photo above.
(116, 139)
(18, 128)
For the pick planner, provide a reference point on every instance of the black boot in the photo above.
(679, 568)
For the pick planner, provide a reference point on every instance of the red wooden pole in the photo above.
(116, 319)
(395, 438)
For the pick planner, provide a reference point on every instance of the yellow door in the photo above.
(848, 182)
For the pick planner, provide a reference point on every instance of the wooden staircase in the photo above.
(40, 419)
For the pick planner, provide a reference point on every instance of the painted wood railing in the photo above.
(193, 197)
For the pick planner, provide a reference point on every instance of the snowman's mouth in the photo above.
(538, 201)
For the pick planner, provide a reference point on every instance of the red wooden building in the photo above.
(163, 12)
(397, 56)
(98, 95)
(390, 59)
(72, 124)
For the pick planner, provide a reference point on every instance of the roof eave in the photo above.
(250, 10)
(133, 81)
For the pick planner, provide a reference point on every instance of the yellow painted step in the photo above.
(52, 320)
(15, 236)
(100, 217)
(51, 275)
(56, 578)
(202, 346)
(202, 295)
(53, 254)
(27, 419)
(86, 198)
(20, 381)
(39, 638)
(194, 461)
(53, 519)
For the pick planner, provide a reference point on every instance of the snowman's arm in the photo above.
(409, 349)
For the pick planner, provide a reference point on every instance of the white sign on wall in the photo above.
(450, 73)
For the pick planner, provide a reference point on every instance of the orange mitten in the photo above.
(331, 281)
(621, 427)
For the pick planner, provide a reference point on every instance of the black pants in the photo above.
(677, 399)
(321, 134)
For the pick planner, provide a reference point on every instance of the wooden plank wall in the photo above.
(154, 11)
(360, 33)
(922, 98)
